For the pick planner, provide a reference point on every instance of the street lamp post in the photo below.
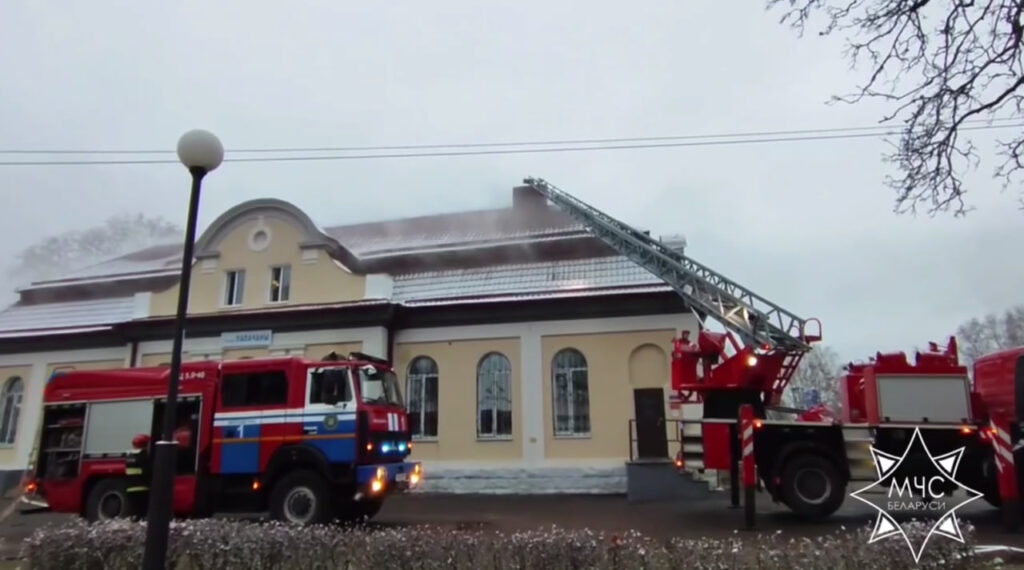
(201, 152)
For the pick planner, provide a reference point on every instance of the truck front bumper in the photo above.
(386, 478)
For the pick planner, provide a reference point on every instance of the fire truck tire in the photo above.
(301, 497)
(812, 487)
(107, 500)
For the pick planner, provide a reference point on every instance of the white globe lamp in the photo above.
(200, 149)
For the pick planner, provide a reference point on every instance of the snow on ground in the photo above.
(529, 480)
(524, 480)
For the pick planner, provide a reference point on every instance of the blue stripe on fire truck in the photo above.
(331, 433)
(242, 456)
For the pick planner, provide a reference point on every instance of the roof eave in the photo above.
(99, 280)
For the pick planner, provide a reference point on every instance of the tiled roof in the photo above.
(365, 240)
(444, 230)
(71, 314)
(543, 277)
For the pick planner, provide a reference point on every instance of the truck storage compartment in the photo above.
(923, 398)
(112, 425)
(61, 451)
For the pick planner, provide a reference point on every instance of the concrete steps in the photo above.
(658, 480)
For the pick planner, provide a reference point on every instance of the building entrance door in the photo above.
(649, 410)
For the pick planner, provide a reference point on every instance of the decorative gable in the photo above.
(260, 254)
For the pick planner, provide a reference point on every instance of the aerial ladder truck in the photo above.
(806, 462)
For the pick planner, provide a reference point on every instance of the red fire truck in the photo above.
(806, 462)
(309, 441)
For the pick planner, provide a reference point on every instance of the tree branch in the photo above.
(963, 69)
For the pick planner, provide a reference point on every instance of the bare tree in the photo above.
(818, 371)
(977, 337)
(56, 255)
(943, 66)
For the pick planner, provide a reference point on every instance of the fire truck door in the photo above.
(329, 417)
(251, 411)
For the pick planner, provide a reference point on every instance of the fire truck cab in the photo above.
(308, 441)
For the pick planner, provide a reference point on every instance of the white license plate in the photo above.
(400, 477)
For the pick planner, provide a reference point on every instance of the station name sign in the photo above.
(247, 339)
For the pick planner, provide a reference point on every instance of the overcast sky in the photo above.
(807, 224)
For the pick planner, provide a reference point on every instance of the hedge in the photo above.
(221, 544)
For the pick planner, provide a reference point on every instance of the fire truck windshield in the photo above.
(379, 387)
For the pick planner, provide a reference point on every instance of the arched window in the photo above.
(494, 396)
(421, 391)
(10, 410)
(570, 393)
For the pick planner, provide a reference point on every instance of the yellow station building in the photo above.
(525, 345)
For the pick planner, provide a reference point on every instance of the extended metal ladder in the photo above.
(754, 319)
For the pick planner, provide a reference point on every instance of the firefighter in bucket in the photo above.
(138, 471)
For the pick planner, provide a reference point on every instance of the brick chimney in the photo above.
(526, 198)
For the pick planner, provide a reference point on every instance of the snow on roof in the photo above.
(51, 332)
(543, 277)
(151, 261)
(71, 314)
(459, 228)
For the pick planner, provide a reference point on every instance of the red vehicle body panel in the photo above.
(995, 381)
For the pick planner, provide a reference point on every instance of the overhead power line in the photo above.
(496, 144)
(684, 141)
(488, 144)
(484, 144)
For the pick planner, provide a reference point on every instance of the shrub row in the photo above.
(227, 545)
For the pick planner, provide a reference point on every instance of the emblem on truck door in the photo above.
(331, 421)
(908, 488)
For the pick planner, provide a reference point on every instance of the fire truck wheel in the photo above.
(107, 500)
(301, 497)
(812, 487)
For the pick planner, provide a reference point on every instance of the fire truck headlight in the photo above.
(382, 473)
(414, 479)
(751, 360)
(376, 485)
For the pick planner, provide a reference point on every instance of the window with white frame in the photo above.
(494, 396)
(234, 287)
(422, 390)
(10, 410)
(280, 283)
(570, 393)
